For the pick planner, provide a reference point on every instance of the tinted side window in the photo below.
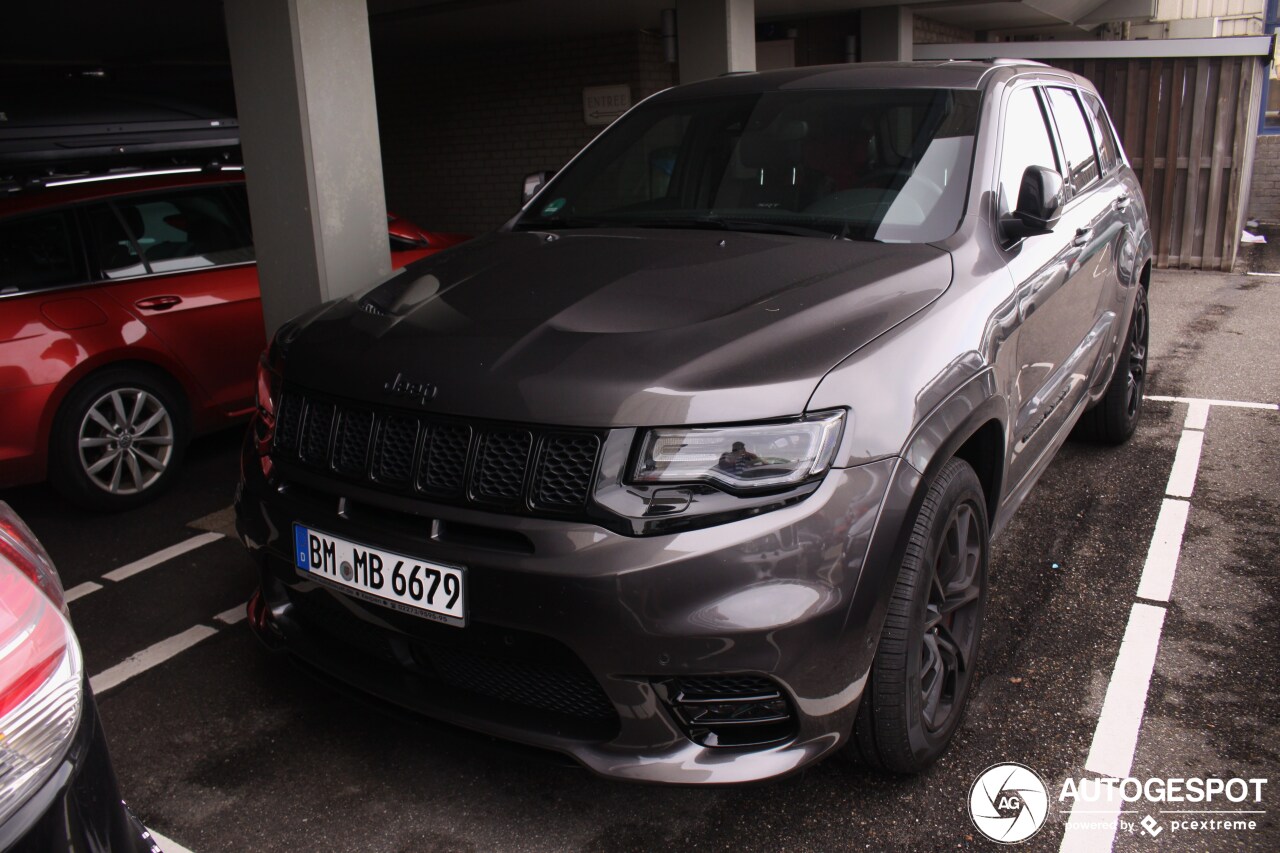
(239, 197)
(1103, 134)
(1077, 140)
(1026, 143)
(38, 252)
(113, 253)
(185, 229)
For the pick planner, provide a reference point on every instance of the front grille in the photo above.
(444, 459)
(448, 459)
(565, 469)
(289, 423)
(395, 448)
(500, 465)
(317, 426)
(351, 452)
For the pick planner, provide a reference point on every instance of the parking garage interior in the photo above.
(437, 110)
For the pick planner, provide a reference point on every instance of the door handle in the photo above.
(1082, 236)
(158, 303)
(1122, 203)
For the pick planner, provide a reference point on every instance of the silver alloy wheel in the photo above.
(126, 441)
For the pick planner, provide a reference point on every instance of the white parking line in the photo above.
(149, 657)
(1156, 583)
(1197, 415)
(1091, 826)
(1234, 403)
(161, 556)
(1116, 736)
(1186, 462)
(168, 845)
(232, 615)
(81, 590)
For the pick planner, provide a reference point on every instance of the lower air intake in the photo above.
(729, 710)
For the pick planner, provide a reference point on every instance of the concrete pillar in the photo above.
(309, 131)
(887, 34)
(715, 37)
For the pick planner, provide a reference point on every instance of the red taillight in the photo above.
(38, 640)
(20, 547)
(41, 670)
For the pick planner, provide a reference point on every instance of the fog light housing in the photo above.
(729, 710)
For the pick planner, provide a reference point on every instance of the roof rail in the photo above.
(1008, 60)
(59, 179)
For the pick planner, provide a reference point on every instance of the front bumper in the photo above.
(564, 612)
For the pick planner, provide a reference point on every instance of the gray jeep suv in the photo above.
(691, 469)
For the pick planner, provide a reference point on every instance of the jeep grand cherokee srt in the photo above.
(690, 470)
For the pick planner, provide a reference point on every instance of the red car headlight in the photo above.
(41, 669)
(268, 390)
(264, 423)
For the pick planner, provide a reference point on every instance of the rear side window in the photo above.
(38, 252)
(1077, 139)
(1026, 143)
(1103, 134)
(185, 230)
(113, 252)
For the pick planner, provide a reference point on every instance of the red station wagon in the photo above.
(130, 321)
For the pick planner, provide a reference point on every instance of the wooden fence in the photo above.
(1189, 126)
(1187, 111)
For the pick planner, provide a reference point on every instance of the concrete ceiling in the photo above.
(191, 31)
(401, 23)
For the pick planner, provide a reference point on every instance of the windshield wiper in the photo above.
(566, 222)
(751, 225)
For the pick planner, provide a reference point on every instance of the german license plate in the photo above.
(430, 590)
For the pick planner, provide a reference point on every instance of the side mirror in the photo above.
(1040, 203)
(533, 183)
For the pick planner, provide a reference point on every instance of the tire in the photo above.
(1115, 417)
(117, 440)
(923, 668)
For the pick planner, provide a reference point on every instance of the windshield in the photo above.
(890, 165)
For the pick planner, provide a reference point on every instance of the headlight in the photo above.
(753, 456)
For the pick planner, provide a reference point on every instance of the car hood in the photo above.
(615, 327)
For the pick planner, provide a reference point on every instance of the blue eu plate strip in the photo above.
(300, 547)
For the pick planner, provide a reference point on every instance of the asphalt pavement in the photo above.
(221, 747)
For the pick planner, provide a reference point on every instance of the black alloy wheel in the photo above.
(950, 640)
(923, 669)
(1113, 419)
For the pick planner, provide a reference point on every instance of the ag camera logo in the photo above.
(1008, 802)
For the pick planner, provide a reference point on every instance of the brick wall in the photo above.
(929, 31)
(461, 127)
(1264, 194)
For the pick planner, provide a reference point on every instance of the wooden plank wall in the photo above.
(1188, 128)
